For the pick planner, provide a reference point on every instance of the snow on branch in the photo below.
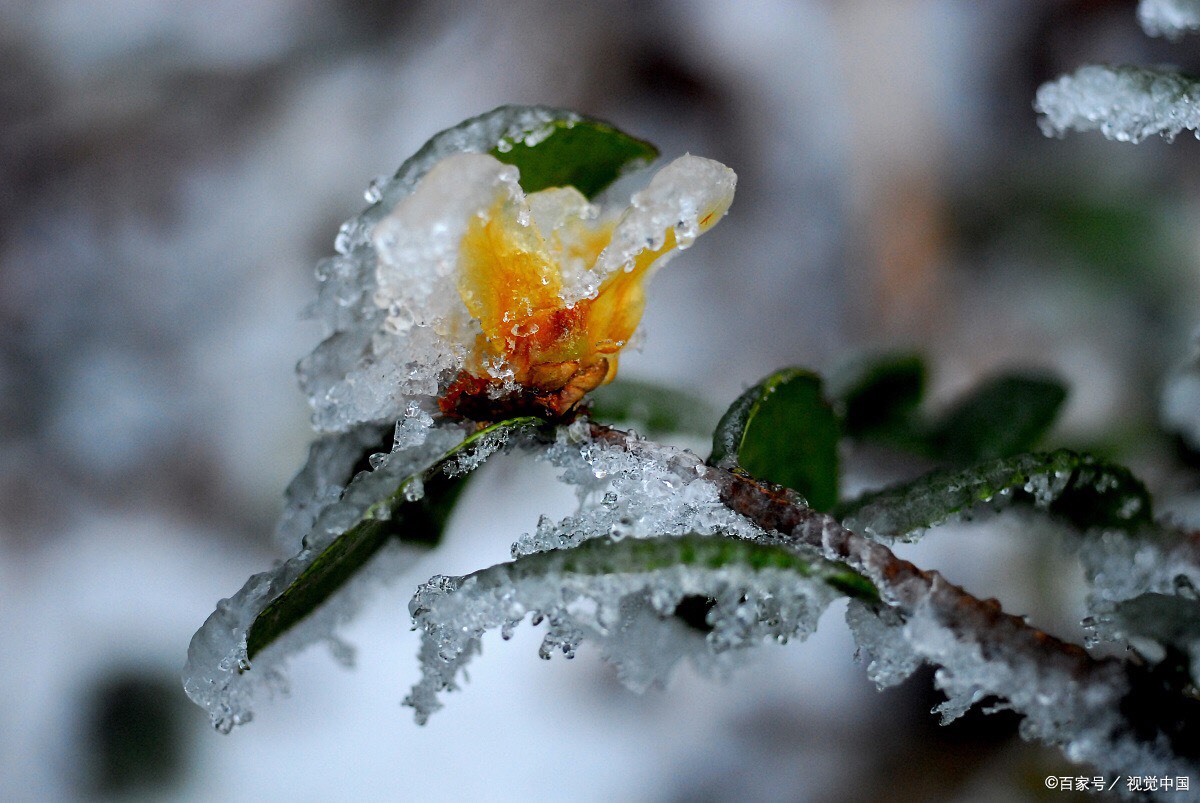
(1169, 18)
(1125, 103)
(1116, 716)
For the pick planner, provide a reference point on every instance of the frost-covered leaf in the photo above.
(1169, 18)
(651, 408)
(623, 594)
(415, 513)
(1142, 593)
(879, 397)
(1086, 492)
(1126, 104)
(572, 151)
(783, 430)
(290, 606)
(417, 523)
(1002, 416)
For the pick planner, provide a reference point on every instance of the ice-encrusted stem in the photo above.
(1169, 18)
(1124, 103)
(1115, 715)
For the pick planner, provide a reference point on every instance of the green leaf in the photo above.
(654, 409)
(758, 589)
(606, 556)
(783, 430)
(573, 152)
(1003, 416)
(418, 522)
(1080, 489)
(879, 397)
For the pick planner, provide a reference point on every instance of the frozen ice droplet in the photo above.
(374, 191)
(414, 489)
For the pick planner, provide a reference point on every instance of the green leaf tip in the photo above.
(573, 151)
(783, 430)
(418, 522)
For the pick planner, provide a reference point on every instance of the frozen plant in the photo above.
(490, 287)
(1128, 103)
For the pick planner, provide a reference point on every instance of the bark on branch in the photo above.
(1125, 716)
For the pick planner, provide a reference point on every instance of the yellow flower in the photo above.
(557, 287)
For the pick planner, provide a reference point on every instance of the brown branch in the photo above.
(1148, 711)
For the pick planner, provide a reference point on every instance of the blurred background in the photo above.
(170, 173)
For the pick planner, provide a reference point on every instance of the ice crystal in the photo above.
(1126, 104)
(882, 643)
(628, 494)
(320, 483)
(1142, 591)
(904, 513)
(1082, 715)
(621, 595)
(1169, 18)
(218, 673)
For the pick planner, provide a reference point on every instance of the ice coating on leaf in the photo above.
(218, 675)
(220, 678)
(1126, 104)
(622, 595)
(882, 643)
(1142, 590)
(627, 494)
(904, 512)
(320, 483)
(1169, 18)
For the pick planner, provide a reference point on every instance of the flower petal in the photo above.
(684, 199)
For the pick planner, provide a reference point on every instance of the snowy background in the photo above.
(171, 173)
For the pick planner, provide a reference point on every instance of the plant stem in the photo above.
(1137, 717)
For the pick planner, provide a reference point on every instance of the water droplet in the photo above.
(414, 489)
